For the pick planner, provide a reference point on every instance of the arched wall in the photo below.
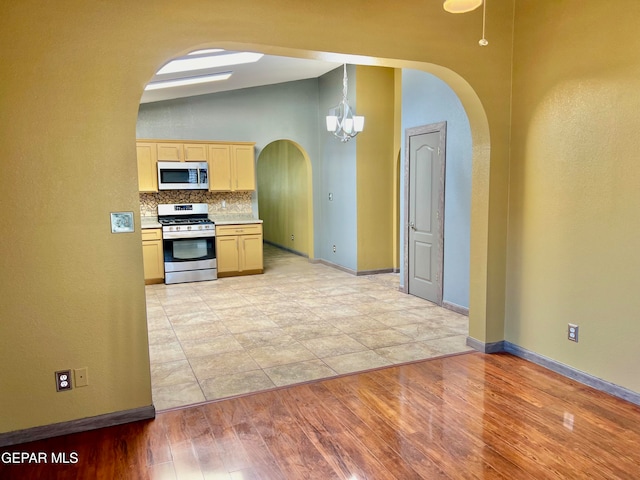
(285, 196)
(71, 81)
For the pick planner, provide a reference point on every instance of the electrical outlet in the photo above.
(331, 197)
(334, 249)
(572, 333)
(292, 237)
(81, 377)
(224, 204)
(63, 380)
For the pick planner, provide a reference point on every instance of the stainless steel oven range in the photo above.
(188, 238)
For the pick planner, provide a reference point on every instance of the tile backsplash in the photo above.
(236, 202)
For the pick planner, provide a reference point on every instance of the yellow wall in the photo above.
(375, 162)
(574, 226)
(71, 77)
(284, 195)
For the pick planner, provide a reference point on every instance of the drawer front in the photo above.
(151, 234)
(244, 229)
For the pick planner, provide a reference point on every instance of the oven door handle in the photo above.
(188, 234)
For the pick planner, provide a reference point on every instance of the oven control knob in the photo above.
(177, 229)
(199, 227)
(188, 228)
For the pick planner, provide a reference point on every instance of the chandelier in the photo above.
(341, 121)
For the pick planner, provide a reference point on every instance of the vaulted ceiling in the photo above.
(266, 71)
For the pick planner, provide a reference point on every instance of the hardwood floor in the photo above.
(462, 416)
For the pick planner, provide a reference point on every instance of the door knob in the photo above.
(412, 225)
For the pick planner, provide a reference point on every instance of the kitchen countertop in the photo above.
(152, 222)
(149, 222)
(233, 219)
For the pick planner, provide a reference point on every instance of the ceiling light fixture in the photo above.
(180, 82)
(341, 121)
(212, 61)
(461, 6)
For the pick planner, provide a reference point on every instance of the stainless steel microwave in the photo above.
(183, 176)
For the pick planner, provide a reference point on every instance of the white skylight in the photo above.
(188, 81)
(212, 61)
(208, 50)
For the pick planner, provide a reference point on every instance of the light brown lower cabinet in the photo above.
(152, 255)
(239, 249)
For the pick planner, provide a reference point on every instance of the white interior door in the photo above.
(425, 211)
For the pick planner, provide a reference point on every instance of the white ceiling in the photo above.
(268, 70)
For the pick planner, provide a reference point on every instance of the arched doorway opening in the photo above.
(481, 247)
(289, 156)
(285, 196)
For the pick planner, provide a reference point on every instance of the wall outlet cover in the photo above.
(63, 380)
(572, 333)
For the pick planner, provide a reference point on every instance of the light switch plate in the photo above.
(81, 377)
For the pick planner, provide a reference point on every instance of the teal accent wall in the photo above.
(426, 99)
(338, 221)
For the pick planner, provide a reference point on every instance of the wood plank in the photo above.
(340, 447)
(205, 444)
(264, 465)
(343, 389)
(295, 454)
(447, 439)
(220, 419)
(391, 458)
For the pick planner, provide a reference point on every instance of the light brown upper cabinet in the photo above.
(243, 161)
(220, 168)
(232, 167)
(195, 152)
(147, 167)
(170, 152)
(182, 152)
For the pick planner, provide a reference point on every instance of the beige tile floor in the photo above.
(297, 322)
